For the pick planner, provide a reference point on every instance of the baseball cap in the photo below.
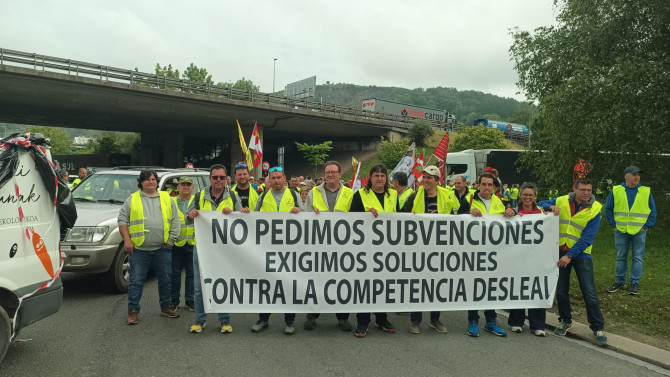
(632, 170)
(185, 180)
(432, 170)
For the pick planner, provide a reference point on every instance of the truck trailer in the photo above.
(403, 109)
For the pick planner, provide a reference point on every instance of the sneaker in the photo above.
(260, 326)
(601, 339)
(169, 312)
(197, 328)
(414, 328)
(310, 324)
(539, 332)
(385, 325)
(518, 329)
(494, 329)
(190, 306)
(633, 289)
(289, 329)
(344, 325)
(473, 329)
(361, 331)
(226, 328)
(132, 316)
(439, 327)
(615, 287)
(562, 328)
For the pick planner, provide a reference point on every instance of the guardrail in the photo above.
(106, 73)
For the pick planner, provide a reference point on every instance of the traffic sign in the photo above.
(266, 166)
(189, 166)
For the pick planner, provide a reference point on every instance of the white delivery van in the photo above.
(29, 251)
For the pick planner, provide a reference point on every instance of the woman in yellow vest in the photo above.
(483, 202)
(149, 224)
(278, 199)
(182, 252)
(375, 198)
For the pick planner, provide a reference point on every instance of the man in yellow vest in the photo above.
(630, 210)
(82, 174)
(330, 196)
(514, 195)
(430, 198)
(149, 224)
(483, 202)
(182, 252)
(243, 188)
(278, 199)
(375, 197)
(216, 197)
(579, 220)
(400, 186)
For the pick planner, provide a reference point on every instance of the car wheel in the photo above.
(118, 276)
(5, 333)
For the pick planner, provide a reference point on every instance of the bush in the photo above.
(420, 130)
(479, 137)
(391, 153)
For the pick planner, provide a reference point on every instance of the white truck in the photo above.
(30, 286)
(471, 163)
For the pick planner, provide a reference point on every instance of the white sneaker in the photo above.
(539, 332)
(518, 329)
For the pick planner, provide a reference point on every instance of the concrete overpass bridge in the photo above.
(177, 119)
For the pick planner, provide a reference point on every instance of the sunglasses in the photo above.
(241, 166)
(218, 177)
(276, 168)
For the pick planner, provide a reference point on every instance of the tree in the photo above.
(492, 117)
(194, 74)
(391, 153)
(420, 130)
(479, 137)
(315, 154)
(106, 143)
(60, 141)
(600, 76)
(246, 85)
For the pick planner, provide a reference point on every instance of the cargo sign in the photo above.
(395, 108)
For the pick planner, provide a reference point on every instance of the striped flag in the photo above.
(243, 144)
(255, 144)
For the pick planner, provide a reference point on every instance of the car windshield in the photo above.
(113, 188)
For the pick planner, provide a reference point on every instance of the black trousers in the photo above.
(364, 318)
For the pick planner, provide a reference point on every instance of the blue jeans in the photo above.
(182, 258)
(584, 271)
(140, 262)
(489, 314)
(623, 242)
(200, 314)
(418, 316)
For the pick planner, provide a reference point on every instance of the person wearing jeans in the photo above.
(630, 210)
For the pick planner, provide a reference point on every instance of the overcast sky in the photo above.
(418, 43)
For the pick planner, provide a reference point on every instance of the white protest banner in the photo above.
(270, 262)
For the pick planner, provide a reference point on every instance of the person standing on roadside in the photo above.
(278, 199)
(182, 252)
(430, 198)
(243, 188)
(482, 202)
(579, 223)
(331, 196)
(216, 197)
(376, 197)
(630, 210)
(536, 317)
(149, 224)
(399, 183)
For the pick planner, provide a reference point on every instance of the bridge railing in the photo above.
(134, 77)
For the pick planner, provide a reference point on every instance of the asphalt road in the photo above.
(89, 337)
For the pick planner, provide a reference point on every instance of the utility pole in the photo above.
(274, 70)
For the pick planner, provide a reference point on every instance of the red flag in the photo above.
(442, 148)
(418, 168)
(255, 144)
(364, 181)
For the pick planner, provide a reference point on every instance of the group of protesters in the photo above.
(158, 232)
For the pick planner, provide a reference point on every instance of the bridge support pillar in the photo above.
(162, 149)
(150, 149)
(173, 149)
(236, 153)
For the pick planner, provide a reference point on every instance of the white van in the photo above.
(29, 251)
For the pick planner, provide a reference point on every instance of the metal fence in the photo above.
(149, 80)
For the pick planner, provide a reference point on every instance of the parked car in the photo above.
(94, 245)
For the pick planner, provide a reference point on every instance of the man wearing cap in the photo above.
(399, 184)
(182, 251)
(630, 211)
(430, 198)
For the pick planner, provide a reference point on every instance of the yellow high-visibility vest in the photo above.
(187, 232)
(206, 205)
(570, 227)
(253, 195)
(403, 197)
(270, 205)
(631, 220)
(446, 201)
(496, 208)
(136, 223)
(342, 204)
(370, 200)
